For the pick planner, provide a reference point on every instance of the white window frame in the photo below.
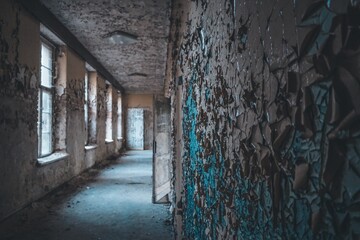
(119, 119)
(46, 89)
(86, 107)
(109, 115)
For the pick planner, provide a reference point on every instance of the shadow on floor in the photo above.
(112, 201)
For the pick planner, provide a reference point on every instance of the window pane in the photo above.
(109, 114)
(46, 56)
(46, 123)
(86, 87)
(46, 143)
(46, 77)
(86, 117)
(119, 117)
(86, 107)
(46, 102)
(38, 123)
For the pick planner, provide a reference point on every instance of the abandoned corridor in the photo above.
(252, 109)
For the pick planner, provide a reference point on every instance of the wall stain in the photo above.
(17, 82)
(75, 94)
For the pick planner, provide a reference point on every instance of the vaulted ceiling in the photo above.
(139, 67)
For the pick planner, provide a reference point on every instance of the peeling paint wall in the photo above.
(18, 100)
(270, 128)
(22, 179)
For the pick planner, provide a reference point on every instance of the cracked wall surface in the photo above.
(269, 94)
(22, 178)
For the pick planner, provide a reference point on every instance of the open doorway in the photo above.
(148, 128)
(135, 129)
(162, 150)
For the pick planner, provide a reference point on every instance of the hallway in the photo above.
(251, 108)
(110, 202)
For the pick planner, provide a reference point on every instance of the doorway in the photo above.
(162, 150)
(135, 129)
(148, 127)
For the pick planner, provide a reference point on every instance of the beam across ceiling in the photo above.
(39, 11)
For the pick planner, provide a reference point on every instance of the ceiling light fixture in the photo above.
(137, 74)
(120, 37)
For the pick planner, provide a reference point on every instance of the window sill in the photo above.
(120, 139)
(90, 147)
(57, 156)
(109, 141)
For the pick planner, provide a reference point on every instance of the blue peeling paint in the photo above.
(220, 196)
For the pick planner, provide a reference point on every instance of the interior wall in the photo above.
(270, 126)
(18, 112)
(23, 179)
(75, 126)
(144, 101)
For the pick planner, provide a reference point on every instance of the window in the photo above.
(109, 113)
(119, 123)
(92, 108)
(45, 104)
(86, 108)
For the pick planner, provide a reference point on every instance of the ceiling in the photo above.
(140, 66)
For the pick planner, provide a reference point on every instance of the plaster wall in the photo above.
(23, 179)
(270, 119)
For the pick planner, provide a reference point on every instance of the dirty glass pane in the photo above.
(46, 123)
(46, 143)
(45, 106)
(46, 102)
(109, 114)
(46, 56)
(46, 77)
(86, 107)
(38, 122)
(119, 118)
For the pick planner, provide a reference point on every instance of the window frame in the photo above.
(92, 107)
(119, 117)
(109, 114)
(51, 91)
(86, 107)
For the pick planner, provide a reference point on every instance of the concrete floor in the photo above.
(108, 202)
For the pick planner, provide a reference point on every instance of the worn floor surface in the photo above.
(108, 202)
